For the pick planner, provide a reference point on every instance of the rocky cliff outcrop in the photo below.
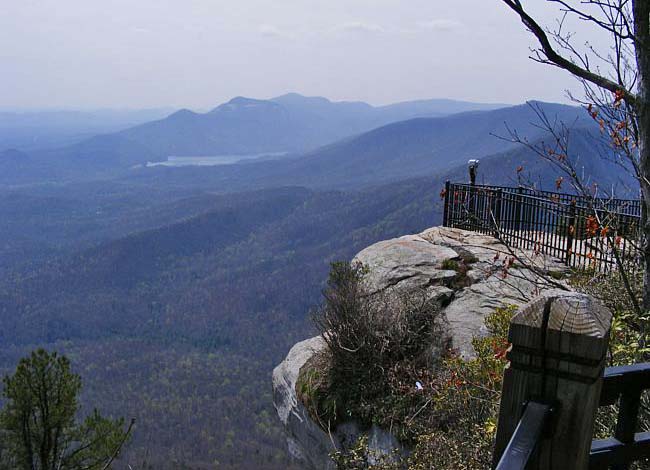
(470, 274)
(306, 440)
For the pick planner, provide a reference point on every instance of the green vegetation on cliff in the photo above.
(444, 411)
(377, 348)
(387, 363)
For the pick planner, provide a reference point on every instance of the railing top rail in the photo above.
(567, 205)
(618, 379)
(611, 206)
(529, 191)
(525, 438)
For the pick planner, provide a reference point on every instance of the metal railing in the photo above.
(526, 436)
(582, 232)
(622, 385)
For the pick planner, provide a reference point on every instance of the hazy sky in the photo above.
(197, 53)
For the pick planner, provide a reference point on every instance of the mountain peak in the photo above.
(290, 95)
(240, 102)
(182, 113)
(298, 98)
(244, 101)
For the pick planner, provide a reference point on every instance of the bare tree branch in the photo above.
(549, 55)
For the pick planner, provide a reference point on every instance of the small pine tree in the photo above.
(38, 426)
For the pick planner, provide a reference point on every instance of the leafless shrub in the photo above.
(371, 340)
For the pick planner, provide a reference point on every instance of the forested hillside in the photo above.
(192, 317)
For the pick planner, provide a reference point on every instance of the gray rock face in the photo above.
(410, 260)
(463, 270)
(382, 446)
(307, 442)
(423, 261)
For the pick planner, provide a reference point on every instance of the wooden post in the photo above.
(559, 342)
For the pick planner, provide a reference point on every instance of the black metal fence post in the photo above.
(628, 411)
(571, 231)
(498, 194)
(517, 215)
(445, 211)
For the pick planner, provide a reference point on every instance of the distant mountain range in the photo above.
(30, 130)
(291, 124)
(422, 146)
(412, 148)
(399, 150)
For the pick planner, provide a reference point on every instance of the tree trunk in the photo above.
(643, 118)
(642, 32)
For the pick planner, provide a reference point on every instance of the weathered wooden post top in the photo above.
(552, 386)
